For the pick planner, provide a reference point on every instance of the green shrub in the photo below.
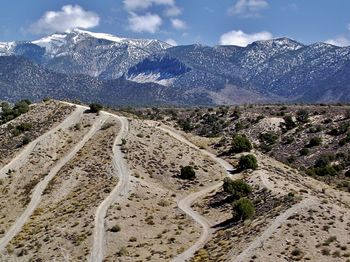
(315, 141)
(304, 151)
(288, 140)
(322, 171)
(268, 138)
(243, 209)
(237, 188)
(8, 113)
(289, 123)
(26, 140)
(248, 162)
(115, 228)
(291, 159)
(345, 140)
(240, 143)
(296, 252)
(324, 160)
(302, 116)
(185, 125)
(19, 129)
(95, 108)
(187, 172)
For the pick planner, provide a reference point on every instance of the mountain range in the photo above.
(120, 71)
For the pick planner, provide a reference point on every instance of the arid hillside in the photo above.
(255, 183)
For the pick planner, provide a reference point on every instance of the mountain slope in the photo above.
(152, 72)
(20, 78)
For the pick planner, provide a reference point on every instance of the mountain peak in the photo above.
(283, 42)
(104, 36)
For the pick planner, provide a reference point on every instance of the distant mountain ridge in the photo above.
(278, 70)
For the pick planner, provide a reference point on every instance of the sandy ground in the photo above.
(297, 218)
(18, 186)
(285, 232)
(42, 116)
(150, 214)
(62, 226)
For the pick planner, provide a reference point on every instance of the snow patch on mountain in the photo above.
(151, 78)
(6, 47)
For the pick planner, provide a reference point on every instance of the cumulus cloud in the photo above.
(149, 23)
(133, 5)
(248, 8)
(240, 38)
(171, 42)
(178, 24)
(173, 11)
(69, 17)
(339, 41)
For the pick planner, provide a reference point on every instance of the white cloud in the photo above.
(173, 11)
(171, 42)
(149, 23)
(178, 24)
(69, 17)
(133, 5)
(240, 38)
(248, 8)
(339, 41)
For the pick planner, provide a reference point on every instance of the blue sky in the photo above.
(208, 22)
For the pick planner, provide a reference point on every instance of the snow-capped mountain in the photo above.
(264, 71)
(83, 52)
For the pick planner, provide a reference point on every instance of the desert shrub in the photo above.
(324, 160)
(315, 129)
(19, 129)
(240, 143)
(239, 126)
(77, 127)
(95, 107)
(106, 126)
(288, 140)
(345, 140)
(342, 129)
(268, 138)
(302, 116)
(243, 209)
(185, 125)
(8, 113)
(296, 252)
(315, 141)
(236, 114)
(115, 228)
(304, 152)
(132, 239)
(291, 159)
(26, 140)
(322, 171)
(347, 114)
(288, 123)
(237, 188)
(187, 172)
(347, 173)
(248, 162)
(46, 99)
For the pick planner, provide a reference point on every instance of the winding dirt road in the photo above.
(120, 191)
(186, 203)
(282, 218)
(23, 156)
(39, 189)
